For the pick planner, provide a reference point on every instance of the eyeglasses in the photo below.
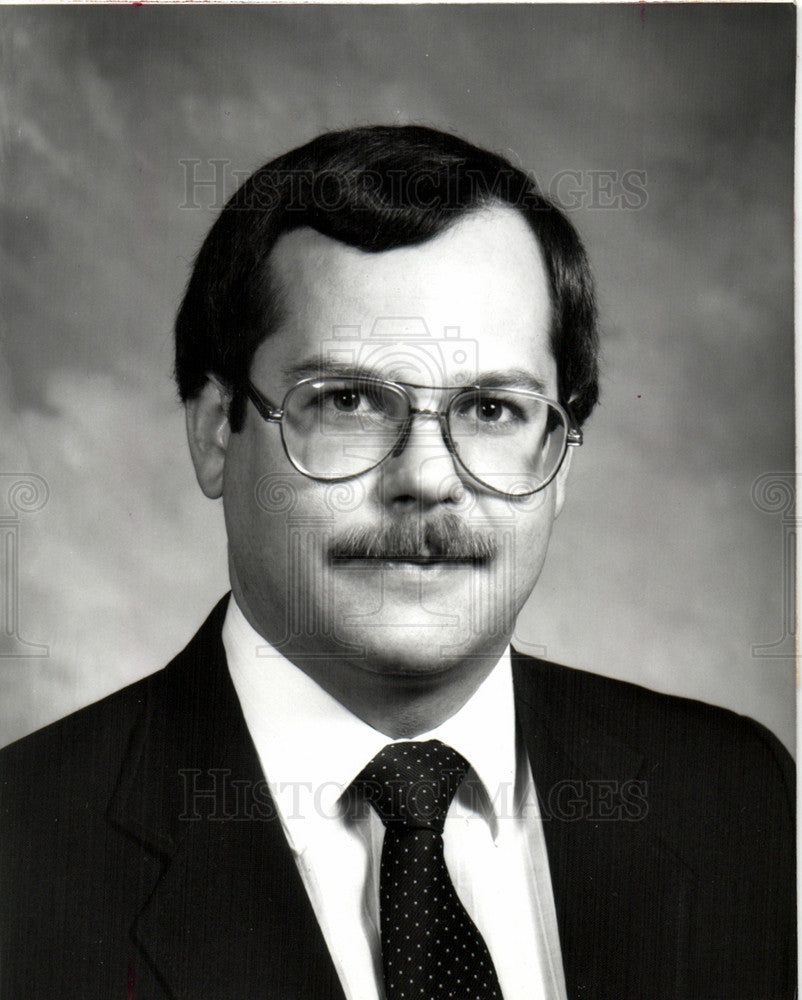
(511, 441)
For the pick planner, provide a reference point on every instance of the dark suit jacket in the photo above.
(668, 825)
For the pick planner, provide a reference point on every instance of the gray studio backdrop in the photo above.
(666, 132)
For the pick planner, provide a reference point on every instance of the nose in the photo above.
(421, 472)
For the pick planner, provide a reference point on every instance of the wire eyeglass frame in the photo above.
(269, 412)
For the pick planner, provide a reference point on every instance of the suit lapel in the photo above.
(621, 892)
(228, 916)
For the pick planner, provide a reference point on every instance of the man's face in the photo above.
(473, 301)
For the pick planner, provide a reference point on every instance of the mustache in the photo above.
(446, 539)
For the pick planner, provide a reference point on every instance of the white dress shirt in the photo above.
(311, 748)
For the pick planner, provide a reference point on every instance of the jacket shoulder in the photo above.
(83, 750)
(705, 755)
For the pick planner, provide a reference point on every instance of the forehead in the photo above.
(474, 298)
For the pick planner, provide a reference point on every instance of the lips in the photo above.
(407, 559)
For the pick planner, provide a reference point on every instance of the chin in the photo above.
(412, 649)
(400, 660)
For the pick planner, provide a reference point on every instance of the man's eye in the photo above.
(338, 399)
(489, 410)
(345, 400)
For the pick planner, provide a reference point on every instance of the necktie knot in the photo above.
(412, 784)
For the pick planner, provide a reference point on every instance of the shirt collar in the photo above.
(291, 718)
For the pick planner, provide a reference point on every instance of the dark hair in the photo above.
(375, 188)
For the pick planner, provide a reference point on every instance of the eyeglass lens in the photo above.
(510, 440)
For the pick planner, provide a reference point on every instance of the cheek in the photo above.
(279, 522)
(528, 538)
(258, 491)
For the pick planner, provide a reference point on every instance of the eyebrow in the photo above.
(509, 378)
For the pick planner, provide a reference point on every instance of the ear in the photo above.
(560, 481)
(208, 432)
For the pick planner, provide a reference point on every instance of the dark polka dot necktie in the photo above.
(431, 949)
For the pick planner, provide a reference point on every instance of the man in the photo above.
(347, 785)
